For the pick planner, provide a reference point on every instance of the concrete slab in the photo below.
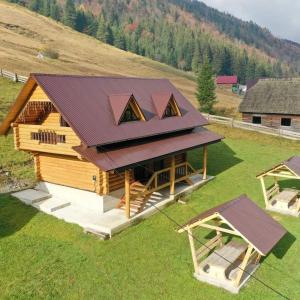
(227, 284)
(31, 196)
(288, 212)
(86, 210)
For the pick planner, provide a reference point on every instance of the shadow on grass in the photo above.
(220, 158)
(14, 215)
(290, 183)
(284, 245)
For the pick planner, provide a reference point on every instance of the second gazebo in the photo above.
(278, 199)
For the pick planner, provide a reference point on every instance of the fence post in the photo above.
(1, 74)
(16, 77)
(232, 122)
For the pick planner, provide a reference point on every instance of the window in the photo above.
(170, 111)
(286, 121)
(129, 115)
(63, 122)
(256, 120)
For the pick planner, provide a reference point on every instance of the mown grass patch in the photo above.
(42, 257)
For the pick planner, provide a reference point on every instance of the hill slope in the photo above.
(179, 33)
(24, 33)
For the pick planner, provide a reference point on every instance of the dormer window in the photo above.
(125, 108)
(129, 115)
(165, 105)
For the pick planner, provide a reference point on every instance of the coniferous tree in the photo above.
(101, 31)
(35, 5)
(206, 87)
(70, 14)
(55, 11)
(196, 58)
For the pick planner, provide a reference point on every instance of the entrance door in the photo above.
(142, 173)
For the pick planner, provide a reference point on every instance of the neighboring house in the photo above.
(114, 140)
(273, 103)
(226, 82)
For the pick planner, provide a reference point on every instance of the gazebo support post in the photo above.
(193, 250)
(204, 162)
(264, 190)
(243, 265)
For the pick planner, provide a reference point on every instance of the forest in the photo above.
(162, 36)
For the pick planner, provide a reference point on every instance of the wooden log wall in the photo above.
(68, 171)
(117, 180)
(274, 121)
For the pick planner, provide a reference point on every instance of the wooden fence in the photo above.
(254, 127)
(13, 76)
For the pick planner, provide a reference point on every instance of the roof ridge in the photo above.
(97, 76)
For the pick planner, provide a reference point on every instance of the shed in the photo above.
(227, 80)
(231, 263)
(285, 201)
(273, 103)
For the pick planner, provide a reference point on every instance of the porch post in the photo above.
(127, 193)
(172, 176)
(204, 162)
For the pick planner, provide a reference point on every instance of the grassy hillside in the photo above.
(24, 33)
(55, 260)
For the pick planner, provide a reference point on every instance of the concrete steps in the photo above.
(31, 196)
(51, 205)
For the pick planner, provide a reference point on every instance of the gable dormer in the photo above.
(125, 108)
(166, 105)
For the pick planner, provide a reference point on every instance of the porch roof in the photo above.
(128, 155)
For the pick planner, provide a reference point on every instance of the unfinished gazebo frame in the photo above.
(284, 201)
(228, 261)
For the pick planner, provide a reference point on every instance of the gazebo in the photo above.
(244, 233)
(285, 201)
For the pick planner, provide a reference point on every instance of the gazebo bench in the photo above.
(220, 261)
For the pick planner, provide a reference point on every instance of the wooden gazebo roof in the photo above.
(245, 219)
(289, 168)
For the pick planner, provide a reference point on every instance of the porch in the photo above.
(149, 180)
(66, 203)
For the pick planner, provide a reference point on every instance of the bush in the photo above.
(50, 53)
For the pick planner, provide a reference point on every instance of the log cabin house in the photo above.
(103, 136)
(273, 103)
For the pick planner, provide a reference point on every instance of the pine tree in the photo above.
(70, 14)
(101, 31)
(35, 5)
(55, 11)
(196, 58)
(206, 87)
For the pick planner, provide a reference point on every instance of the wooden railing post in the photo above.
(172, 177)
(204, 162)
(127, 193)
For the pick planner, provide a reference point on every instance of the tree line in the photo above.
(172, 43)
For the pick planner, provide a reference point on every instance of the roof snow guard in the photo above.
(245, 217)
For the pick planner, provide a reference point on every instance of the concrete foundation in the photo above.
(227, 284)
(98, 213)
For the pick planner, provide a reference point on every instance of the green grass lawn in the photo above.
(42, 257)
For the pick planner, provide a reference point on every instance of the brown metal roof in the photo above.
(84, 103)
(118, 104)
(146, 150)
(260, 229)
(293, 163)
(160, 101)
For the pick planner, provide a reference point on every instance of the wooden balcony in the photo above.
(50, 139)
